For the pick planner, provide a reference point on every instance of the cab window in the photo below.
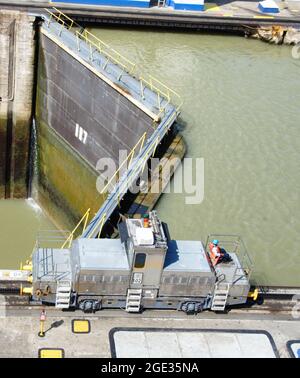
(140, 259)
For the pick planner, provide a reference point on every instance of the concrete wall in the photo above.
(68, 93)
(65, 184)
(17, 48)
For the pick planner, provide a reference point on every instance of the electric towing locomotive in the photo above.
(143, 269)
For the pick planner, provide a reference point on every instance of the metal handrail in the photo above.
(106, 50)
(96, 44)
(59, 19)
(229, 240)
(128, 160)
(70, 238)
(45, 237)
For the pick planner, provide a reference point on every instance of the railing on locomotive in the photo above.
(234, 244)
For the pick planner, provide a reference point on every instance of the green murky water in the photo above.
(242, 115)
(20, 222)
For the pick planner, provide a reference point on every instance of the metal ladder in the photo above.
(133, 300)
(63, 294)
(220, 296)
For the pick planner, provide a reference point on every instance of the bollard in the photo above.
(42, 323)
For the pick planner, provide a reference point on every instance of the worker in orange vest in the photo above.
(214, 251)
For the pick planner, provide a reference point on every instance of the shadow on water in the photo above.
(163, 29)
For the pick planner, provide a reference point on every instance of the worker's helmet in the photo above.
(215, 242)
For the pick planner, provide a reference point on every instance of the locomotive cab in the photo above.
(146, 249)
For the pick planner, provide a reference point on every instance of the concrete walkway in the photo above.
(164, 343)
(19, 331)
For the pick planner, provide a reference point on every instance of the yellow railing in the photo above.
(165, 95)
(96, 44)
(83, 220)
(128, 161)
(153, 146)
(61, 18)
(100, 223)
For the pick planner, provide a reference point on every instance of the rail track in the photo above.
(271, 301)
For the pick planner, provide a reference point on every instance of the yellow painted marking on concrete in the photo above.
(81, 326)
(227, 15)
(212, 7)
(263, 17)
(51, 353)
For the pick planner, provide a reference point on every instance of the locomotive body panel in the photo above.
(102, 267)
(48, 266)
(233, 273)
(187, 271)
